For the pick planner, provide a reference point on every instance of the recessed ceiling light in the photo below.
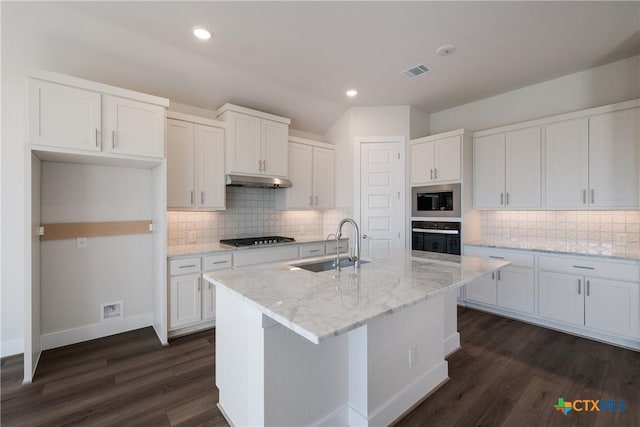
(445, 50)
(201, 33)
(352, 92)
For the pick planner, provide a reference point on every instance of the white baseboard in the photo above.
(356, 419)
(451, 344)
(97, 330)
(11, 347)
(339, 417)
(406, 398)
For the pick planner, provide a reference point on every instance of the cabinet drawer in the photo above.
(262, 256)
(591, 267)
(517, 259)
(216, 262)
(331, 246)
(316, 249)
(184, 266)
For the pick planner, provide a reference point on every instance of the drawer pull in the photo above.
(588, 288)
(586, 268)
(496, 257)
(220, 262)
(579, 286)
(315, 250)
(187, 266)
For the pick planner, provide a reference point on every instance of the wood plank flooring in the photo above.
(507, 374)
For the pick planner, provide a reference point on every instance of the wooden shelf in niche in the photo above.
(72, 230)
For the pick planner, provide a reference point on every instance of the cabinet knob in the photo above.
(364, 236)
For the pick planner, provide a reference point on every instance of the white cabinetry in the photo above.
(256, 142)
(88, 120)
(195, 164)
(507, 172)
(312, 175)
(436, 160)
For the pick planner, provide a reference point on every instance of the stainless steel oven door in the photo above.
(436, 201)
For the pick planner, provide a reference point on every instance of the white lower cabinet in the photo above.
(186, 306)
(483, 290)
(561, 297)
(516, 289)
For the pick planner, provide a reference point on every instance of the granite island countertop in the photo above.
(321, 305)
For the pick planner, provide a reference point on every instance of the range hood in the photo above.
(256, 182)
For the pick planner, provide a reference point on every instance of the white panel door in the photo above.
(300, 195)
(134, 128)
(180, 173)
(62, 116)
(381, 201)
(324, 178)
(567, 164)
(488, 171)
(422, 163)
(186, 301)
(515, 289)
(447, 159)
(482, 289)
(612, 306)
(274, 148)
(244, 149)
(523, 176)
(208, 301)
(614, 159)
(210, 167)
(562, 297)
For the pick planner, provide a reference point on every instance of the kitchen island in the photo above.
(295, 347)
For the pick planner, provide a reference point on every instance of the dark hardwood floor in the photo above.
(507, 373)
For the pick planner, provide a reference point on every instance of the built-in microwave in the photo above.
(436, 201)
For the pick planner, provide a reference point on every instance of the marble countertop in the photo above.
(182, 250)
(321, 305)
(556, 249)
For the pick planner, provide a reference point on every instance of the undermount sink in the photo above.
(327, 265)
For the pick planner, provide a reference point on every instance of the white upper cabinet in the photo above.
(435, 160)
(567, 163)
(71, 115)
(195, 164)
(63, 116)
(312, 175)
(614, 159)
(507, 170)
(134, 128)
(256, 142)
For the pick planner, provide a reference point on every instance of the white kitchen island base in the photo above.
(269, 375)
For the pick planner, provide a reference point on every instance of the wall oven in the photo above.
(436, 201)
(435, 236)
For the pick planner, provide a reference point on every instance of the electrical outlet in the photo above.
(413, 357)
(82, 242)
(192, 237)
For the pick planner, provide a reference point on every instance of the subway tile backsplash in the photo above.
(614, 233)
(250, 212)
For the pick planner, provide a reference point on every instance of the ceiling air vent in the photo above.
(415, 71)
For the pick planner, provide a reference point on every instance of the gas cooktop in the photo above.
(256, 241)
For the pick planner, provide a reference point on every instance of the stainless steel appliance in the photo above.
(436, 201)
(436, 236)
(256, 241)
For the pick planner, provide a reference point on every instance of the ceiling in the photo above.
(297, 58)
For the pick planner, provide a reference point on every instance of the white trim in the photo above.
(355, 418)
(561, 117)
(311, 142)
(451, 344)
(339, 417)
(96, 87)
(11, 347)
(224, 414)
(248, 111)
(175, 115)
(97, 330)
(457, 132)
(69, 155)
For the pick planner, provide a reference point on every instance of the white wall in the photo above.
(420, 123)
(607, 84)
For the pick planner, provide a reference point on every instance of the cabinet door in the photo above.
(488, 171)
(612, 306)
(186, 300)
(447, 159)
(210, 167)
(614, 159)
(274, 148)
(483, 289)
(422, 163)
(180, 173)
(208, 301)
(134, 128)
(562, 297)
(244, 148)
(300, 195)
(515, 289)
(566, 164)
(523, 178)
(323, 178)
(62, 116)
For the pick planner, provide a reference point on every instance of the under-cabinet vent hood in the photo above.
(256, 182)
